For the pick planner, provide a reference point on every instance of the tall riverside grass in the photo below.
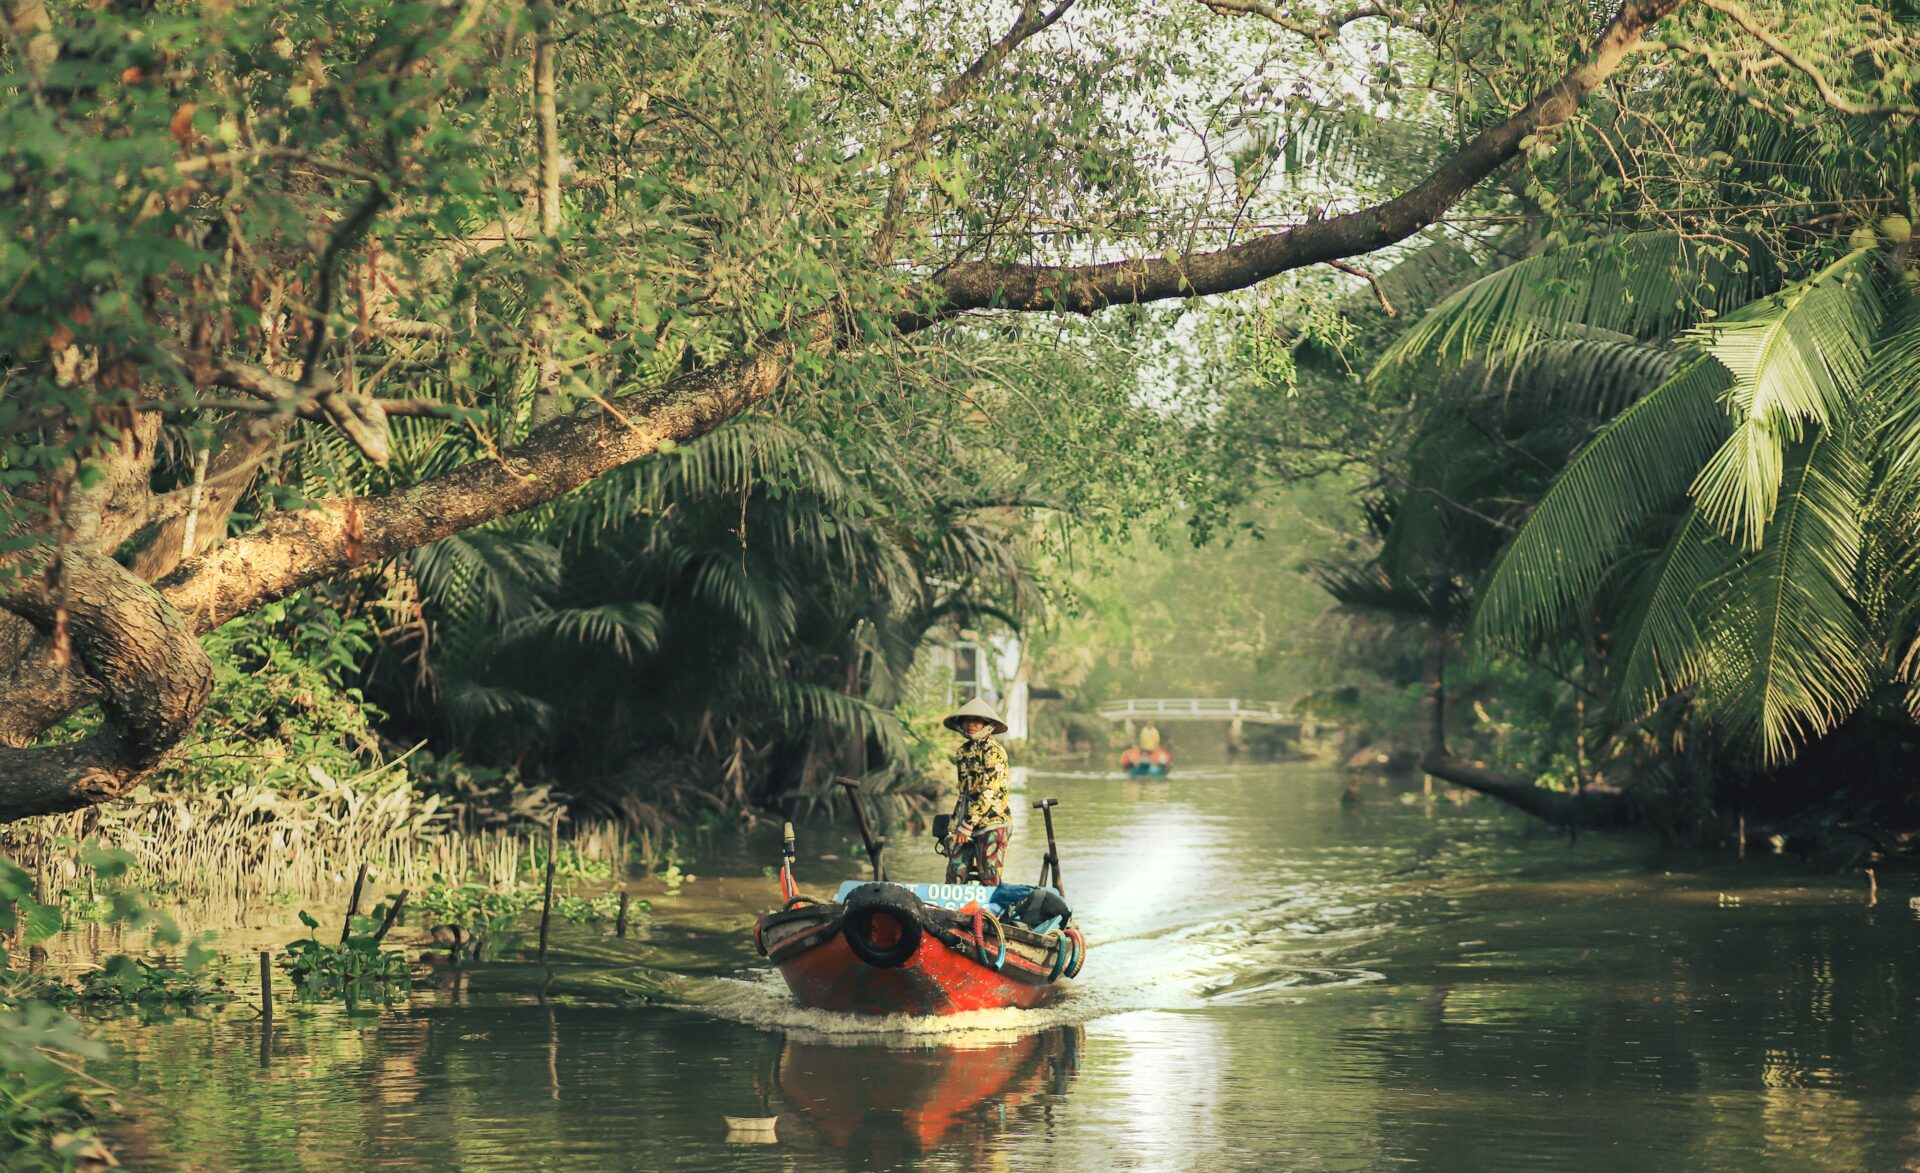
(249, 847)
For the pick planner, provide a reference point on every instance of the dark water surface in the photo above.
(1277, 982)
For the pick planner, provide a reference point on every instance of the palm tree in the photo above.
(1743, 530)
(744, 602)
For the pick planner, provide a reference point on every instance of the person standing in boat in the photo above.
(983, 817)
(1149, 738)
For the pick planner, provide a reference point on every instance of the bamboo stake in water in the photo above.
(393, 916)
(620, 922)
(353, 904)
(546, 902)
(266, 1006)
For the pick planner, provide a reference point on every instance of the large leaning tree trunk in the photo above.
(1598, 809)
(114, 571)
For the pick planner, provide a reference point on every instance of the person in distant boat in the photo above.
(1149, 738)
(982, 818)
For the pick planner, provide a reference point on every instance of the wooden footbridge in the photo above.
(1199, 709)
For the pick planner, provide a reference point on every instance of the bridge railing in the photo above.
(1223, 708)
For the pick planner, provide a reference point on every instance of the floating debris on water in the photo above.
(751, 1129)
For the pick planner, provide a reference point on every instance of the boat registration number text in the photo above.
(942, 895)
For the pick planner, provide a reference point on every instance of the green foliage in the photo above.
(597, 910)
(572, 863)
(1659, 447)
(1755, 599)
(20, 913)
(46, 1110)
(361, 967)
(47, 1104)
(145, 985)
(495, 922)
(282, 712)
(1796, 360)
(490, 919)
(1637, 465)
(284, 776)
(338, 194)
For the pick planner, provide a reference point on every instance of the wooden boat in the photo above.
(1141, 763)
(926, 949)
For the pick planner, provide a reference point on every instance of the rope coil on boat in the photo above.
(1079, 951)
(1060, 944)
(981, 918)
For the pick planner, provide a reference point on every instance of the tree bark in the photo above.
(153, 678)
(1599, 809)
(546, 391)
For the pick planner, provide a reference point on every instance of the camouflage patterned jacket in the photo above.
(983, 805)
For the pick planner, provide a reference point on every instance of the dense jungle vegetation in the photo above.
(490, 400)
(427, 416)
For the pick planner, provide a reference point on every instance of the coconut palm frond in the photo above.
(1647, 285)
(476, 705)
(1594, 377)
(1636, 466)
(1893, 380)
(1797, 358)
(485, 576)
(1800, 661)
(1660, 645)
(625, 629)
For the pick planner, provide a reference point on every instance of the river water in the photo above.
(1278, 980)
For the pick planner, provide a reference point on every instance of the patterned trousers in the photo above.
(979, 861)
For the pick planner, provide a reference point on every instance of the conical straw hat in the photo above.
(977, 707)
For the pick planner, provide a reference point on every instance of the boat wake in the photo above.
(1174, 927)
(1122, 977)
(763, 1000)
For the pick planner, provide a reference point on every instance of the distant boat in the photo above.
(1145, 763)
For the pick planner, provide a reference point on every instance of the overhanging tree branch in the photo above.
(297, 549)
(153, 675)
(1033, 20)
(1786, 53)
(982, 285)
(1318, 31)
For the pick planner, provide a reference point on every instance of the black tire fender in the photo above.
(870, 902)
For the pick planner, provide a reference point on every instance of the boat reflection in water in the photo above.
(888, 1105)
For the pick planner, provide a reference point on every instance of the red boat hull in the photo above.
(935, 980)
